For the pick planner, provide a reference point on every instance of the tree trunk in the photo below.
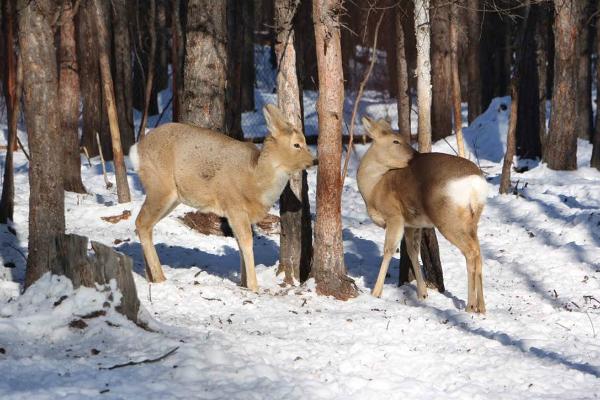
(123, 72)
(295, 249)
(177, 47)
(161, 63)
(309, 78)
(542, 33)
(441, 79)
(456, 96)
(94, 111)
(248, 71)
(108, 92)
(235, 43)
(473, 66)
(68, 93)
(528, 127)
(40, 96)
(561, 146)
(328, 263)
(12, 82)
(430, 256)
(148, 94)
(205, 71)
(595, 161)
(584, 72)
(505, 186)
(403, 91)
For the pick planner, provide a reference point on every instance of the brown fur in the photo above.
(405, 189)
(212, 172)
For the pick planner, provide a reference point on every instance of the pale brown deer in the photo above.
(180, 163)
(405, 191)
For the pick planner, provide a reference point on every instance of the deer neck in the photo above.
(270, 178)
(370, 172)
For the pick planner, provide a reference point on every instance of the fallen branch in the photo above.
(357, 101)
(146, 361)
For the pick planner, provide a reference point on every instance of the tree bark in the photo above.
(107, 89)
(309, 78)
(473, 66)
(403, 93)
(456, 96)
(561, 145)
(177, 47)
(584, 72)
(235, 43)
(68, 93)
(295, 248)
(12, 82)
(40, 96)
(595, 161)
(150, 68)
(328, 262)
(543, 33)
(441, 78)
(123, 72)
(248, 71)
(205, 71)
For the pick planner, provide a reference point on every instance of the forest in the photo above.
(299, 198)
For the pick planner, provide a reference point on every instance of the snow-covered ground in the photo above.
(539, 339)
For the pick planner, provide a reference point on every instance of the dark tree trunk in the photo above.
(205, 71)
(40, 95)
(248, 71)
(528, 128)
(473, 66)
(441, 76)
(235, 44)
(149, 94)
(94, 112)
(309, 79)
(495, 73)
(561, 146)
(12, 82)
(143, 16)
(403, 91)
(295, 249)
(123, 72)
(68, 93)
(584, 72)
(328, 262)
(595, 161)
(543, 30)
(177, 50)
(161, 70)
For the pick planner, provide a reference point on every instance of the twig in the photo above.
(87, 155)
(23, 148)
(106, 181)
(17, 250)
(163, 112)
(591, 323)
(358, 96)
(146, 361)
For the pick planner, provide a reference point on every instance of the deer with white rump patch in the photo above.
(207, 170)
(405, 191)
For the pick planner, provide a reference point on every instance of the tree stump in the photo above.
(73, 261)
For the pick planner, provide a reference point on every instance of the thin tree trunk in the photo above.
(68, 93)
(150, 68)
(205, 71)
(12, 83)
(107, 89)
(40, 95)
(456, 96)
(328, 262)
(123, 72)
(295, 249)
(177, 47)
(561, 145)
(403, 94)
(441, 78)
(584, 73)
(473, 66)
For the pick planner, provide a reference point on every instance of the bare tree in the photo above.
(441, 72)
(402, 94)
(150, 68)
(561, 145)
(328, 263)
(456, 96)
(295, 249)
(473, 66)
(40, 96)
(595, 161)
(177, 47)
(109, 96)
(68, 93)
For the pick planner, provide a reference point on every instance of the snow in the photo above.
(539, 338)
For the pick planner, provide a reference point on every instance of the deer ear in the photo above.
(370, 127)
(385, 125)
(276, 122)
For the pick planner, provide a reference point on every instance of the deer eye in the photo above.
(297, 145)
(396, 142)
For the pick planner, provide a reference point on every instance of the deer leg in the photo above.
(413, 246)
(393, 235)
(243, 233)
(244, 279)
(479, 280)
(154, 209)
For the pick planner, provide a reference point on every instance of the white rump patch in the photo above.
(134, 157)
(469, 190)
